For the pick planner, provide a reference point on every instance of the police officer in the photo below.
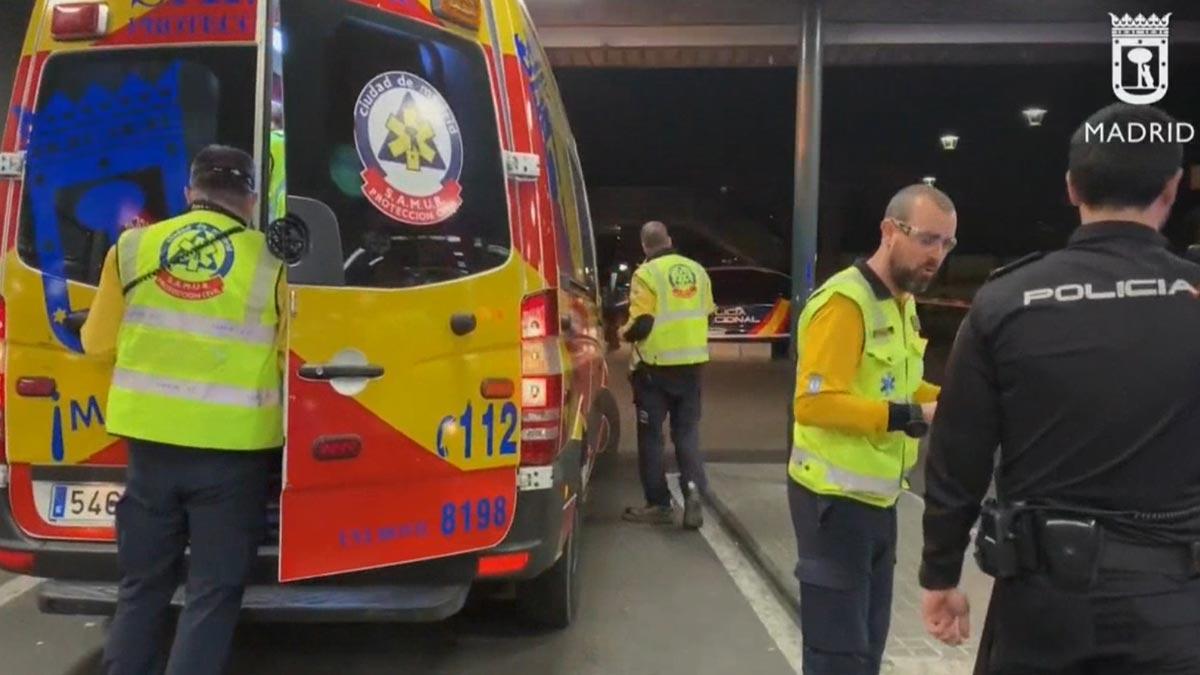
(861, 404)
(1082, 366)
(670, 302)
(191, 309)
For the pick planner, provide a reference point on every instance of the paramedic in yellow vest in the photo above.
(861, 404)
(669, 305)
(190, 310)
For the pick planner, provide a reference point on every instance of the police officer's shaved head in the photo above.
(224, 175)
(655, 238)
(901, 205)
(1125, 157)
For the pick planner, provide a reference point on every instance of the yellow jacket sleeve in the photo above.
(99, 333)
(642, 301)
(710, 304)
(833, 346)
(927, 393)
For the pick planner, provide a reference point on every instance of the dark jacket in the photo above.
(1084, 368)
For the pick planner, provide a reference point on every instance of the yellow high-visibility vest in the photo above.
(870, 470)
(197, 361)
(683, 294)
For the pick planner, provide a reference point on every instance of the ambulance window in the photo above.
(561, 169)
(394, 128)
(111, 140)
(586, 235)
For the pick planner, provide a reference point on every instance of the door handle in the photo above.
(338, 371)
(463, 324)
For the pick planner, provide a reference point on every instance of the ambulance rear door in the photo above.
(111, 101)
(403, 425)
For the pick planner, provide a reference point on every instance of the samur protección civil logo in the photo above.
(194, 261)
(411, 149)
(682, 280)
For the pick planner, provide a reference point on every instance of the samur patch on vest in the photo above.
(683, 281)
(195, 260)
(411, 149)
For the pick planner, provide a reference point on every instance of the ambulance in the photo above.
(446, 389)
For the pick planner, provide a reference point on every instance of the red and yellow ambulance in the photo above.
(446, 385)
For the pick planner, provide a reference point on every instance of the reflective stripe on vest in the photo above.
(252, 331)
(683, 354)
(844, 479)
(195, 391)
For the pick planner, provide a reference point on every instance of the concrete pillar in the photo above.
(807, 171)
(808, 154)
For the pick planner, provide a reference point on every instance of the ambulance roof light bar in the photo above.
(79, 21)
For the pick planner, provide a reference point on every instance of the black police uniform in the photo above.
(1083, 366)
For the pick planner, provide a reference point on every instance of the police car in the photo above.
(752, 306)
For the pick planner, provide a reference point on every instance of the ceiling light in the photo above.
(1033, 116)
(949, 141)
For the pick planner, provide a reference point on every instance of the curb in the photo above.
(779, 582)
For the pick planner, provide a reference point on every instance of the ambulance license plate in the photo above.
(91, 503)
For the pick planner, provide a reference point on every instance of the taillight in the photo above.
(336, 448)
(79, 21)
(539, 315)
(502, 564)
(541, 380)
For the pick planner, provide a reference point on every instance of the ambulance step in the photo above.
(299, 603)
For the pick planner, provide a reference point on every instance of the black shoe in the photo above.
(650, 514)
(693, 510)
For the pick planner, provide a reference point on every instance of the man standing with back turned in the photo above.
(670, 301)
(861, 404)
(1083, 366)
(191, 307)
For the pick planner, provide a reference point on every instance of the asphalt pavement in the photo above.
(656, 600)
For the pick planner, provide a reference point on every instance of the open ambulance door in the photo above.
(111, 102)
(402, 419)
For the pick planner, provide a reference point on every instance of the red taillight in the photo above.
(539, 315)
(20, 562)
(79, 21)
(334, 448)
(36, 387)
(541, 381)
(498, 388)
(501, 565)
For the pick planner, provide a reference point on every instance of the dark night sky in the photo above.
(881, 127)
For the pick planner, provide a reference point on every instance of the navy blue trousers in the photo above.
(214, 502)
(659, 393)
(847, 559)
